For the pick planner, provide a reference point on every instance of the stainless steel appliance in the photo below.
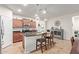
(0, 35)
(1, 32)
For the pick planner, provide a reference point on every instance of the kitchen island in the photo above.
(30, 42)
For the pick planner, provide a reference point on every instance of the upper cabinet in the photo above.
(17, 23)
(33, 24)
(30, 23)
(26, 22)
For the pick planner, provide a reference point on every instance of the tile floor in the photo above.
(16, 48)
(61, 47)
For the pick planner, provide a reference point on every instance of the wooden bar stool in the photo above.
(41, 42)
(52, 41)
(48, 41)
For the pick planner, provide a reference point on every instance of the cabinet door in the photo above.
(17, 23)
(33, 24)
(30, 23)
(26, 22)
(17, 37)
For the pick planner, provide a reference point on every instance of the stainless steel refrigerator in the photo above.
(5, 33)
(1, 33)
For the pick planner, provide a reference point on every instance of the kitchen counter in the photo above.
(30, 42)
(32, 34)
(29, 39)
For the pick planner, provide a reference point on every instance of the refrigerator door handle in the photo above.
(2, 33)
(2, 30)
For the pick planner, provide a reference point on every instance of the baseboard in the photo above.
(7, 46)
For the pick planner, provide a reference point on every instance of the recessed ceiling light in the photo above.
(19, 10)
(44, 11)
(36, 15)
(25, 4)
(37, 18)
(45, 19)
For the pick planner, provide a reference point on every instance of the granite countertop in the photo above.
(35, 34)
(27, 34)
(17, 29)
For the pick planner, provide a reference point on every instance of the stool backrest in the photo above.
(44, 35)
(52, 34)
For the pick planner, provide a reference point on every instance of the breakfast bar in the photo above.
(30, 42)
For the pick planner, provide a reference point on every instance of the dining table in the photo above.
(75, 47)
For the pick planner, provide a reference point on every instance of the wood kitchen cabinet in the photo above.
(17, 36)
(26, 22)
(17, 23)
(30, 23)
(33, 24)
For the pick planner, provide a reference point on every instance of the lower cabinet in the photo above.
(17, 36)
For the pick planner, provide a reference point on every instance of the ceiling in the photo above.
(53, 10)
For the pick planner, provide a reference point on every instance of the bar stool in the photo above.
(50, 40)
(41, 42)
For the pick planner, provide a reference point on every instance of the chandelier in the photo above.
(40, 12)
